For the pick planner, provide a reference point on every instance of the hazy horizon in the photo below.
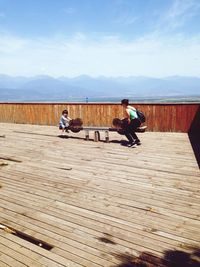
(47, 88)
(99, 76)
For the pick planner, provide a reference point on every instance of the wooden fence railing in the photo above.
(160, 117)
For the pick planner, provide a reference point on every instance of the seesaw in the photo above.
(105, 130)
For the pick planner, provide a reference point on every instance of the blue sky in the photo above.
(100, 37)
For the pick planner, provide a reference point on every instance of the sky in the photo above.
(155, 38)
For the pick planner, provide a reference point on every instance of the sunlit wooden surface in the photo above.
(94, 202)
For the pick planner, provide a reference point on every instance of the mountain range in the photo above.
(47, 88)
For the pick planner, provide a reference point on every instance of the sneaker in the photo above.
(138, 143)
(133, 144)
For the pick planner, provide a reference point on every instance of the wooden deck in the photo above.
(97, 204)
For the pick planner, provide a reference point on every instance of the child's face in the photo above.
(65, 115)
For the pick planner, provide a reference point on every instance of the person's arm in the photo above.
(69, 118)
(130, 107)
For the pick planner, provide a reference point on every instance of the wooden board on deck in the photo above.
(95, 203)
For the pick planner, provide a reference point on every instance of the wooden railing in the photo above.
(160, 117)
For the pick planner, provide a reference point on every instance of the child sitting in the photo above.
(64, 121)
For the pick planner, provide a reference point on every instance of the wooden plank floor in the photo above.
(97, 204)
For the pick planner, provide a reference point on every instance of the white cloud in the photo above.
(151, 56)
(180, 12)
(79, 36)
(183, 7)
(11, 44)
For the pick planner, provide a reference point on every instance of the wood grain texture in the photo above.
(95, 202)
(160, 117)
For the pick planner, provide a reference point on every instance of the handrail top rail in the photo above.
(99, 103)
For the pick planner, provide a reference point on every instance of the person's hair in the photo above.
(125, 102)
(117, 122)
(65, 112)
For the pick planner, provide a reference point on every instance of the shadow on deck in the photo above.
(194, 136)
(172, 258)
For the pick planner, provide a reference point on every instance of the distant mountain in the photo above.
(12, 82)
(47, 88)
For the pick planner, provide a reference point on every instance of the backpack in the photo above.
(141, 116)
